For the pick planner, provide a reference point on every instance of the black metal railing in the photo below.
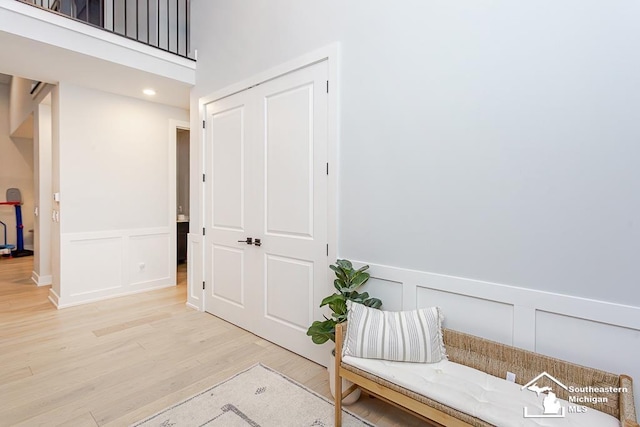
(164, 24)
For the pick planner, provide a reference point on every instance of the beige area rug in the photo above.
(257, 397)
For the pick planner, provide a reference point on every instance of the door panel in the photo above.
(267, 154)
(227, 210)
(289, 165)
(228, 274)
(228, 169)
(280, 272)
(293, 207)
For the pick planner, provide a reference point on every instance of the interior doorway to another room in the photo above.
(20, 101)
(182, 203)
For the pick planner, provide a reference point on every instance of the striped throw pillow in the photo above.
(404, 336)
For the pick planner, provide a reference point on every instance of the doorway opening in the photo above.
(182, 203)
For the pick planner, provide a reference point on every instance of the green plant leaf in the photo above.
(321, 332)
(338, 306)
(346, 283)
(359, 279)
(340, 274)
(364, 295)
(373, 303)
(363, 268)
(345, 264)
(330, 299)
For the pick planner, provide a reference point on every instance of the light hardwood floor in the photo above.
(113, 362)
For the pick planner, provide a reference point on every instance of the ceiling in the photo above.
(40, 61)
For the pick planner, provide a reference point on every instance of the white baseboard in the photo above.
(71, 302)
(54, 298)
(188, 304)
(41, 280)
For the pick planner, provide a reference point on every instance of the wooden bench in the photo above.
(494, 359)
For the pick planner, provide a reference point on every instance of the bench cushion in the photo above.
(476, 393)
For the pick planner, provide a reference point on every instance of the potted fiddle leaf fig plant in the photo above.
(348, 281)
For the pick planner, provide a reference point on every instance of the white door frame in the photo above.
(330, 54)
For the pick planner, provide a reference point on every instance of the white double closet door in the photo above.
(266, 166)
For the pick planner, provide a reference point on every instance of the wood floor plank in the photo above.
(114, 362)
(8, 375)
(126, 325)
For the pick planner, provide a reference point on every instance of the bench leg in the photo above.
(338, 396)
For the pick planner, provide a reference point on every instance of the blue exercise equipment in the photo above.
(5, 248)
(14, 198)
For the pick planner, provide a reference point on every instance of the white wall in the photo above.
(16, 171)
(21, 106)
(491, 142)
(116, 174)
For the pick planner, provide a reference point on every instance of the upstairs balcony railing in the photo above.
(163, 24)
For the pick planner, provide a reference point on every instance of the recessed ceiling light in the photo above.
(149, 92)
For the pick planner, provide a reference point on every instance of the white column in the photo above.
(54, 292)
(41, 274)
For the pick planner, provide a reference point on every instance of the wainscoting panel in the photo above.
(148, 259)
(595, 344)
(106, 264)
(91, 265)
(593, 333)
(493, 320)
(388, 291)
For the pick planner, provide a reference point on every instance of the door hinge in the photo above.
(327, 249)
(203, 285)
(204, 231)
(327, 168)
(203, 124)
(203, 177)
(327, 86)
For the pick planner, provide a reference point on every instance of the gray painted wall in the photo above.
(491, 140)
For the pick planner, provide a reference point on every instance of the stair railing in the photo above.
(164, 24)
